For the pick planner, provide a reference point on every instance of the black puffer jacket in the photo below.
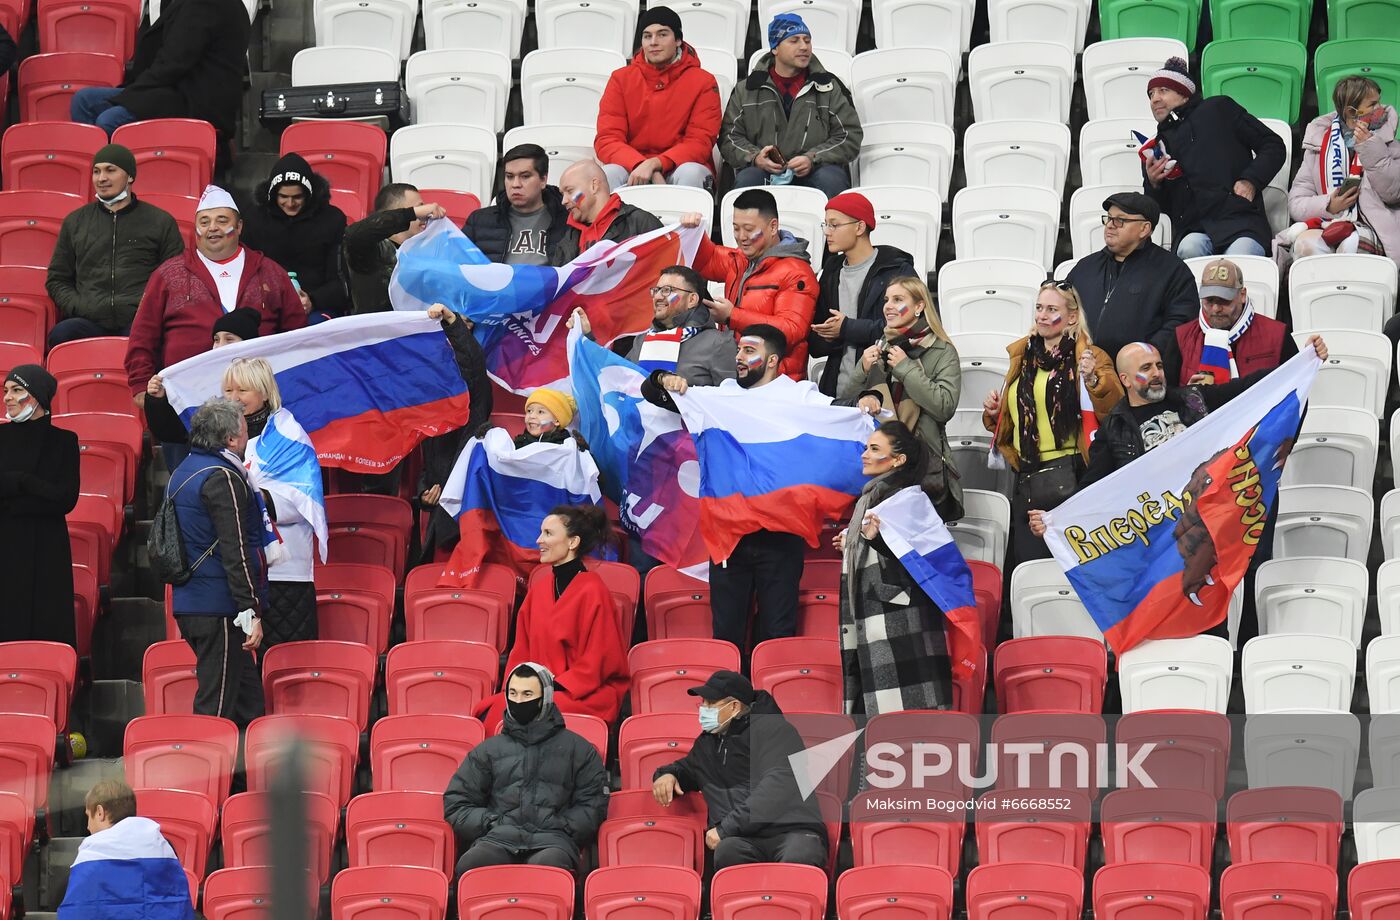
(746, 778)
(866, 328)
(308, 243)
(532, 786)
(630, 221)
(489, 227)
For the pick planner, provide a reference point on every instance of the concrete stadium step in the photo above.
(100, 713)
(55, 860)
(120, 639)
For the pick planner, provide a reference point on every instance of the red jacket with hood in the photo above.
(673, 113)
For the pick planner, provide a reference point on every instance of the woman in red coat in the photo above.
(569, 623)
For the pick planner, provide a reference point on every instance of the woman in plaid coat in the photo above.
(893, 652)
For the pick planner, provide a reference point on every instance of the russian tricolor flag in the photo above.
(1215, 355)
(282, 462)
(127, 872)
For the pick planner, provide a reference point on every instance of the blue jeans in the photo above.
(93, 106)
(1194, 245)
(830, 179)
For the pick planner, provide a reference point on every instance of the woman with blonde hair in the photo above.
(282, 464)
(1037, 417)
(914, 371)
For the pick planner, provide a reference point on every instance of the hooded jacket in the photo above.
(1380, 180)
(746, 778)
(672, 113)
(706, 358)
(489, 227)
(866, 327)
(307, 243)
(822, 125)
(779, 288)
(617, 221)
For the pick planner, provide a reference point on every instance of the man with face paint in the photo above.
(38, 487)
(595, 213)
(1229, 324)
(106, 251)
(740, 764)
(533, 794)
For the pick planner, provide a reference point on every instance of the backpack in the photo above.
(166, 545)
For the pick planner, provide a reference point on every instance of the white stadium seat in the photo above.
(1044, 604)
(1282, 178)
(1108, 154)
(1383, 750)
(1342, 291)
(834, 22)
(1017, 153)
(712, 23)
(1063, 269)
(800, 212)
(1388, 588)
(1390, 534)
(451, 84)
(487, 25)
(1116, 74)
(1337, 447)
(1060, 21)
(906, 153)
(344, 64)
(1298, 671)
(988, 295)
(563, 86)
(984, 528)
(984, 362)
(945, 24)
(607, 24)
(386, 24)
(1323, 521)
(563, 144)
(909, 218)
(1357, 370)
(904, 84)
(970, 442)
(1007, 221)
(1383, 674)
(1312, 594)
(1376, 811)
(1304, 747)
(1021, 80)
(1086, 219)
(721, 64)
(1260, 274)
(1192, 673)
(669, 202)
(457, 157)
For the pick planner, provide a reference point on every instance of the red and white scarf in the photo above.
(1336, 163)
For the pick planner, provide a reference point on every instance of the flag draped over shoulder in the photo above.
(1156, 549)
(282, 462)
(366, 389)
(915, 533)
(646, 458)
(127, 872)
(499, 495)
(520, 310)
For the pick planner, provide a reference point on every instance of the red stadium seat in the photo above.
(51, 156)
(167, 678)
(894, 893)
(516, 893)
(677, 606)
(98, 26)
(592, 729)
(1191, 746)
(47, 82)
(38, 678)
(119, 431)
(623, 583)
(320, 677)
(16, 830)
(399, 829)
(349, 154)
(664, 669)
(1083, 733)
(818, 728)
(440, 676)
(897, 732)
(1030, 833)
(931, 836)
(91, 533)
(186, 820)
(180, 207)
(246, 831)
(26, 757)
(91, 376)
(354, 603)
(642, 892)
(1294, 823)
(14, 14)
(332, 751)
(803, 674)
(458, 205)
(1024, 891)
(1294, 890)
(195, 753)
(652, 740)
(389, 893)
(658, 835)
(26, 312)
(510, 421)
(819, 598)
(420, 753)
(1064, 673)
(351, 204)
(244, 894)
(477, 614)
(102, 470)
(1151, 891)
(29, 223)
(770, 890)
(173, 155)
(1158, 826)
(103, 353)
(970, 688)
(104, 509)
(369, 530)
(13, 354)
(1371, 890)
(86, 598)
(986, 587)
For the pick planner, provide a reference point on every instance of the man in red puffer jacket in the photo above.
(659, 117)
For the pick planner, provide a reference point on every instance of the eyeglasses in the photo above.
(666, 290)
(1109, 220)
(830, 226)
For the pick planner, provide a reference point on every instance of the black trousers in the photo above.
(486, 853)
(802, 847)
(765, 563)
(229, 683)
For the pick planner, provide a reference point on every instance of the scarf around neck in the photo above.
(1061, 396)
(1337, 161)
(920, 337)
(1218, 352)
(661, 348)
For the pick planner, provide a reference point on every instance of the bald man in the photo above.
(595, 213)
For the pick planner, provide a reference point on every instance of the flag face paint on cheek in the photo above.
(1142, 378)
(672, 297)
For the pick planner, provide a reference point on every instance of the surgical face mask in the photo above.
(525, 711)
(27, 412)
(709, 718)
(115, 199)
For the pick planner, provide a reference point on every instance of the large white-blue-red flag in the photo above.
(500, 494)
(282, 462)
(520, 310)
(1156, 548)
(646, 457)
(366, 389)
(127, 872)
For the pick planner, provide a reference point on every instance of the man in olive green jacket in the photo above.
(106, 251)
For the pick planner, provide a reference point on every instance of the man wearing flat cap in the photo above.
(740, 764)
(1133, 290)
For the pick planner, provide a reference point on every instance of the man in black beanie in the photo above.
(659, 117)
(106, 251)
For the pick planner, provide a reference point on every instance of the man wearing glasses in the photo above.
(1133, 290)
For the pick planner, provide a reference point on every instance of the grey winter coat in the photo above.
(707, 357)
(823, 124)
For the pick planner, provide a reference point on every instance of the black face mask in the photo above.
(525, 711)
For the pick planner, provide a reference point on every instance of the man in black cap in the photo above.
(659, 117)
(757, 812)
(106, 251)
(1133, 290)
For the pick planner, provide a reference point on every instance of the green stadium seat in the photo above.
(1265, 75)
(1179, 19)
(1363, 19)
(1261, 19)
(1377, 58)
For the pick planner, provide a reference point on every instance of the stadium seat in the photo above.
(817, 728)
(1265, 75)
(1298, 671)
(389, 893)
(26, 312)
(563, 143)
(712, 23)
(983, 358)
(1376, 58)
(677, 606)
(907, 153)
(348, 154)
(802, 673)
(590, 728)
(1342, 291)
(354, 603)
(1306, 891)
(47, 82)
(819, 598)
(608, 24)
(1116, 73)
(907, 217)
(38, 678)
(669, 202)
(187, 820)
(90, 534)
(1312, 595)
(317, 66)
(971, 446)
(1021, 79)
(1161, 825)
(660, 839)
(444, 88)
(1191, 673)
(651, 740)
(1371, 891)
(899, 732)
(623, 583)
(175, 156)
(331, 750)
(1008, 221)
(1376, 825)
(1323, 521)
(121, 433)
(663, 670)
(419, 753)
(86, 599)
(1232, 19)
(50, 156)
(1131, 891)
(1005, 891)
(1044, 604)
(103, 353)
(894, 893)
(1390, 528)
(1026, 831)
(320, 677)
(1059, 21)
(180, 207)
(246, 831)
(942, 24)
(1388, 584)
(383, 24)
(443, 676)
(721, 63)
(925, 836)
(981, 533)
(1261, 279)
(1175, 19)
(26, 761)
(1191, 746)
(801, 211)
(563, 86)
(195, 753)
(988, 295)
(97, 26)
(167, 678)
(1317, 747)
(1383, 675)
(242, 894)
(369, 530)
(399, 829)
(16, 833)
(904, 84)
(642, 892)
(1296, 823)
(1080, 732)
(1063, 673)
(29, 223)
(986, 588)
(477, 614)
(1362, 19)
(458, 205)
(1108, 152)
(96, 392)
(516, 893)
(1085, 219)
(770, 889)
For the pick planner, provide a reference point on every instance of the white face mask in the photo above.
(115, 199)
(25, 414)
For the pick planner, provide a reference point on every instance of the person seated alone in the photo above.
(527, 219)
(595, 213)
(1228, 327)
